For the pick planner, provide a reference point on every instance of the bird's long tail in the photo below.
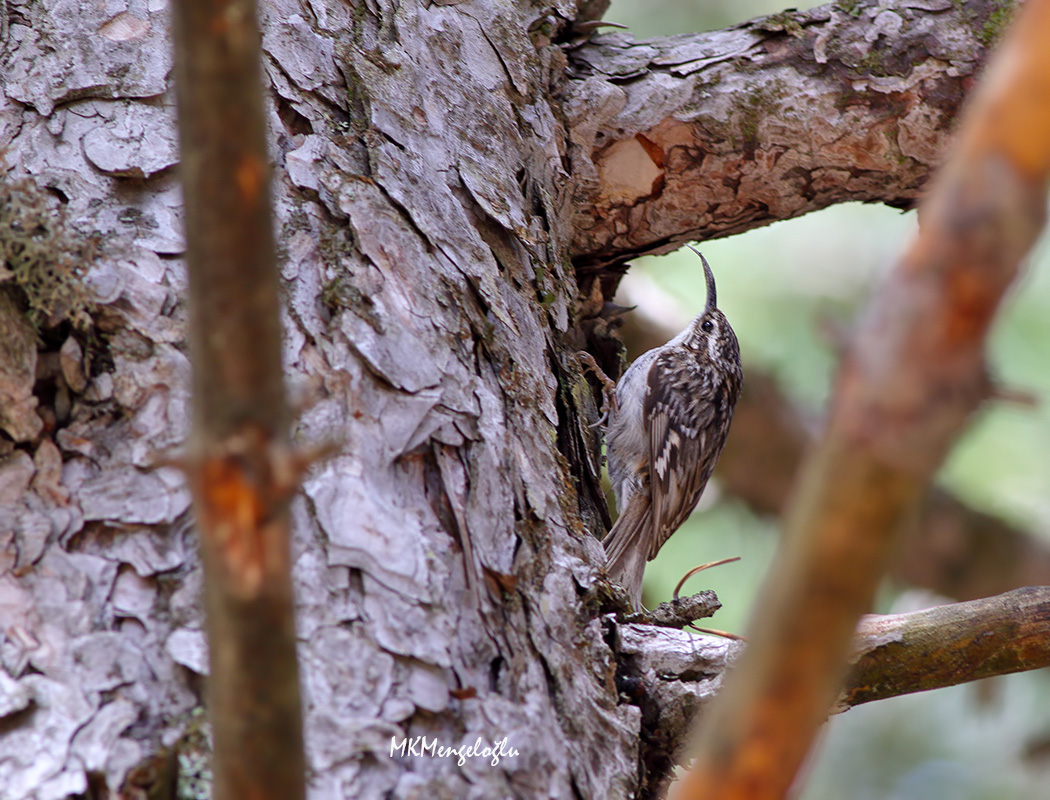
(627, 549)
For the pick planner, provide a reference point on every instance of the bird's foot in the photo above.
(608, 386)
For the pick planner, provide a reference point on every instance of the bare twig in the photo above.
(1010, 394)
(678, 613)
(719, 633)
(701, 568)
(691, 573)
(240, 465)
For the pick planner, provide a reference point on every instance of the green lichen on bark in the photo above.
(851, 7)
(41, 261)
(995, 25)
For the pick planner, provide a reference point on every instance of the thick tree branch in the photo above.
(949, 645)
(671, 674)
(706, 135)
(910, 381)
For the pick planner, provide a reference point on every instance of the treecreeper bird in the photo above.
(665, 433)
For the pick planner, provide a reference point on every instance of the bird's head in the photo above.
(710, 334)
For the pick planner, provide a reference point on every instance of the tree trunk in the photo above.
(430, 199)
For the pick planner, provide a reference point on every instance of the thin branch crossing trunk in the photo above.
(239, 461)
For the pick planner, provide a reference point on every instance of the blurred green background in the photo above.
(777, 285)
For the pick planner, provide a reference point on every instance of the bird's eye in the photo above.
(707, 326)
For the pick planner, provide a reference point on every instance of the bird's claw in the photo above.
(609, 401)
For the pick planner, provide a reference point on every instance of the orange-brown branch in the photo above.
(906, 388)
(239, 464)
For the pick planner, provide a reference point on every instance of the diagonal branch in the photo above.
(910, 381)
(949, 547)
(698, 136)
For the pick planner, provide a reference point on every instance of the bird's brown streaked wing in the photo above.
(678, 471)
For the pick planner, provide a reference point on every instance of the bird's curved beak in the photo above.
(712, 292)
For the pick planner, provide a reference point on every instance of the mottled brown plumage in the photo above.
(675, 405)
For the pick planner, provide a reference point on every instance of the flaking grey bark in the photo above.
(427, 190)
(424, 214)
